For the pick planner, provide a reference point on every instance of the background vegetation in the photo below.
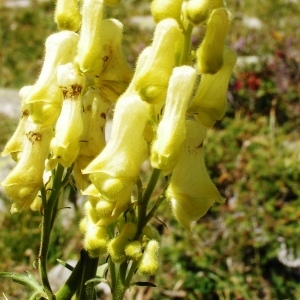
(248, 248)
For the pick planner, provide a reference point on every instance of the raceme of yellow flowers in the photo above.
(162, 111)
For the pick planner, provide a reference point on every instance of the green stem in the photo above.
(155, 207)
(143, 201)
(130, 274)
(118, 287)
(186, 45)
(71, 286)
(47, 223)
(87, 291)
(113, 277)
(119, 290)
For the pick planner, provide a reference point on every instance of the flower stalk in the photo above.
(160, 114)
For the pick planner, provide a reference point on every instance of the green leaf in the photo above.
(65, 264)
(26, 280)
(101, 270)
(97, 281)
(143, 283)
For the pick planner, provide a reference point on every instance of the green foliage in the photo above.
(22, 37)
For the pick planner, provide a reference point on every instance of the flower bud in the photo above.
(171, 129)
(89, 45)
(150, 261)
(151, 233)
(116, 247)
(101, 210)
(198, 11)
(69, 126)
(164, 9)
(45, 98)
(26, 179)
(210, 101)
(191, 191)
(96, 239)
(115, 170)
(210, 52)
(67, 15)
(133, 250)
(153, 79)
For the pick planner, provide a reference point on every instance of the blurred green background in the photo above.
(248, 248)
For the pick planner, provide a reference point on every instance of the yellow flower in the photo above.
(191, 191)
(198, 11)
(163, 9)
(15, 144)
(210, 52)
(210, 101)
(67, 15)
(89, 45)
(69, 126)
(114, 74)
(152, 81)
(25, 180)
(45, 98)
(116, 246)
(150, 260)
(92, 140)
(171, 129)
(116, 168)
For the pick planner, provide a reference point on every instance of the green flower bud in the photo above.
(198, 11)
(45, 98)
(153, 79)
(164, 9)
(67, 15)
(89, 45)
(210, 101)
(116, 168)
(210, 52)
(151, 233)
(15, 144)
(171, 129)
(69, 126)
(133, 250)
(191, 191)
(150, 261)
(25, 180)
(116, 246)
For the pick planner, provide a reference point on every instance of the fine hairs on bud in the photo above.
(89, 45)
(116, 246)
(67, 15)
(150, 260)
(152, 80)
(198, 11)
(163, 9)
(210, 52)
